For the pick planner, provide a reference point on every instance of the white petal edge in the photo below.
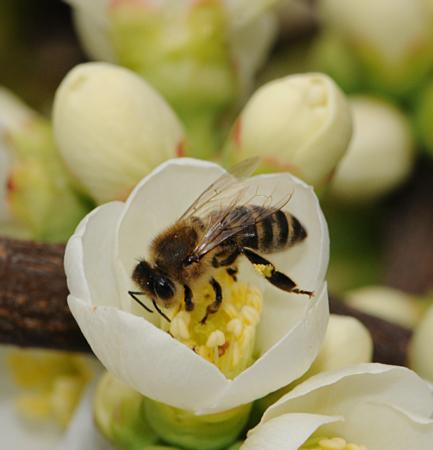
(89, 257)
(286, 432)
(381, 426)
(336, 392)
(158, 366)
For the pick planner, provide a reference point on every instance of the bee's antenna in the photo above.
(160, 312)
(134, 294)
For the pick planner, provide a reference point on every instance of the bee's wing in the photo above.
(220, 206)
(221, 187)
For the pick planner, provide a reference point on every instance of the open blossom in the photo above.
(274, 336)
(364, 407)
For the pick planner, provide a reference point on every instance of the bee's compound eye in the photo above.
(164, 288)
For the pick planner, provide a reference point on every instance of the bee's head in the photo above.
(154, 282)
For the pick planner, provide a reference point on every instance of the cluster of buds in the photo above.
(33, 181)
(201, 55)
(391, 41)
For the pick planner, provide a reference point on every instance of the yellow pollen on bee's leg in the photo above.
(227, 337)
(335, 443)
(264, 269)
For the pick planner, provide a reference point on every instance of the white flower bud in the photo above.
(347, 342)
(300, 123)
(387, 303)
(380, 155)
(420, 349)
(112, 129)
(393, 39)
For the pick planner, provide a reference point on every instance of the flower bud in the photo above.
(392, 39)
(420, 348)
(32, 177)
(387, 303)
(208, 432)
(201, 55)
(117, 410)
(347, 342)
(112, 129)
(300, 123)
(381, 153)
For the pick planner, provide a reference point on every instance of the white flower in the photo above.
(112, 128)
(380, 155)
(371, 406)
(299, 123)
(103, 252)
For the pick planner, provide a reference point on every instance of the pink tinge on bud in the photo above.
(180, 149)
(144, 4)
(282, 165)
(10, 184)
(237, 133)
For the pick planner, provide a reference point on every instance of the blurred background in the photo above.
(379, 200)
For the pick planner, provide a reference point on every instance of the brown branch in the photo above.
(33, 292)
(34, 312)
(408, 235)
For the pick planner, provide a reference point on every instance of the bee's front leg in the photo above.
(213, 307)
(189, 305)
(278, 279)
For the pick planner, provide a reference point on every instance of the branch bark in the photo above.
(33, 292)
(34, 312)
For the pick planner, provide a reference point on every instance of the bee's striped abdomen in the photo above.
(275, 232)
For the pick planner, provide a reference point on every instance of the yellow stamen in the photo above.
(227, 337)
(335, 443)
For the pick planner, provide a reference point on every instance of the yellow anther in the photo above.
(250, 315)
(226, 338)
(215, 339)
(333, 444)
(235, 327)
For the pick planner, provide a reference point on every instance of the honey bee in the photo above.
(230, 219)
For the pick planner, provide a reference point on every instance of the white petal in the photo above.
(148, 359)
(156, 203)
(285, 361)
(89, 257)
(159, 367)
(380, 426)
(286, 432)
(336, 392)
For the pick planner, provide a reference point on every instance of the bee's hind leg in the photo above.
(278, 279)
(213, 307)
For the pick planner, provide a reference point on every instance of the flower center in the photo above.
(227, 337)
(335, 443)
